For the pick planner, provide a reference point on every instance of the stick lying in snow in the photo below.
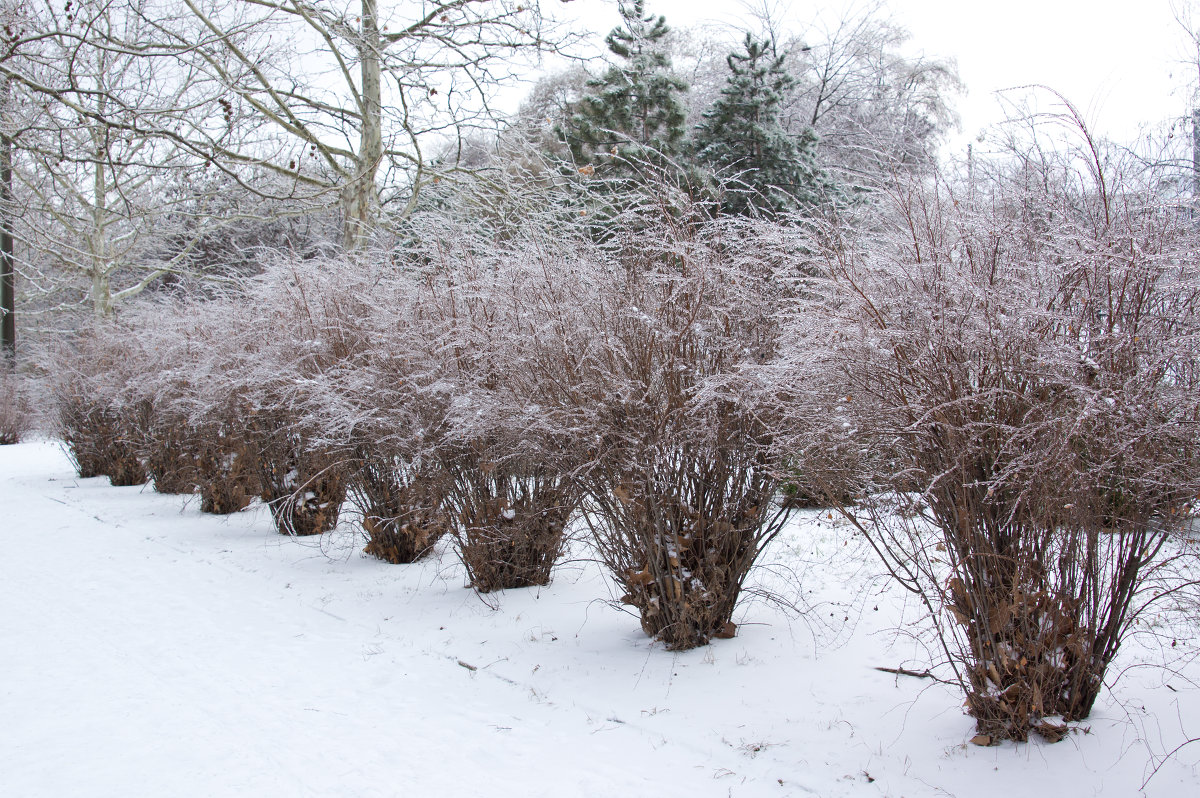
(905, 672)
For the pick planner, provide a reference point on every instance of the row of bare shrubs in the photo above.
(994, 381)
(492, 395)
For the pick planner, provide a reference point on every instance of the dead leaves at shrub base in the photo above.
(689, 566)
(402, 508)
(405, 539)
(99, 440)
(505, 545)
(1027, 662)
(312, 508)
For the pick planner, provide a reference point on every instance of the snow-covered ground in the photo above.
(147, 649)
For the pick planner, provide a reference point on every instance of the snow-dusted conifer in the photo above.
(742, 139)
(632, 115)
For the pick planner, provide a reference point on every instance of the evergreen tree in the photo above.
(632, 114)
(741, 135)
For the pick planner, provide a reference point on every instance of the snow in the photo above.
(147, 649)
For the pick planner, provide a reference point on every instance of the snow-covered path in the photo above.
(146, 649)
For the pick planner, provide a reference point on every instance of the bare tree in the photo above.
(13, 20)
(357, 104)
(1185, 18)
(873, 106)
(100, 170)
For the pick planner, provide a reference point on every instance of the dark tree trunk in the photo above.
(8, 319)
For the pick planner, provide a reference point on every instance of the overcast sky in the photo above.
(1121, 63)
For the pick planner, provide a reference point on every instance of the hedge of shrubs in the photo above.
(999, 389)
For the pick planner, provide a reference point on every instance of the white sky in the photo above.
(1123, 64)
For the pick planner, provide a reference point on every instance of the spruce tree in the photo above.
(741, 136)
(632, 115)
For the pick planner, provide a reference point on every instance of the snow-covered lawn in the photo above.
(147, 649)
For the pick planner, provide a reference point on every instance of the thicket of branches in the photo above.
(1013, 361)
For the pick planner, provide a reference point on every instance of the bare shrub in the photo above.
(378, 411)
(226, 470)
(90, 416)
(302, 484)
(402, 505)
(1024, 352)
(167, 450)
(260, 380)
(512, 518)
(86, 429)
(681, 533)
(188, 392)
(508, 489)
(683, 490)
(624, 360)
(15, 416)
(156, 394)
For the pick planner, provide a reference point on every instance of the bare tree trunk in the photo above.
(101, 294)
(96, 241)
(358, 195)
(8, 319)
(1195, 154)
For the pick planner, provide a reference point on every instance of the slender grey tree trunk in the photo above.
(1196, 154)
(359, 194)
